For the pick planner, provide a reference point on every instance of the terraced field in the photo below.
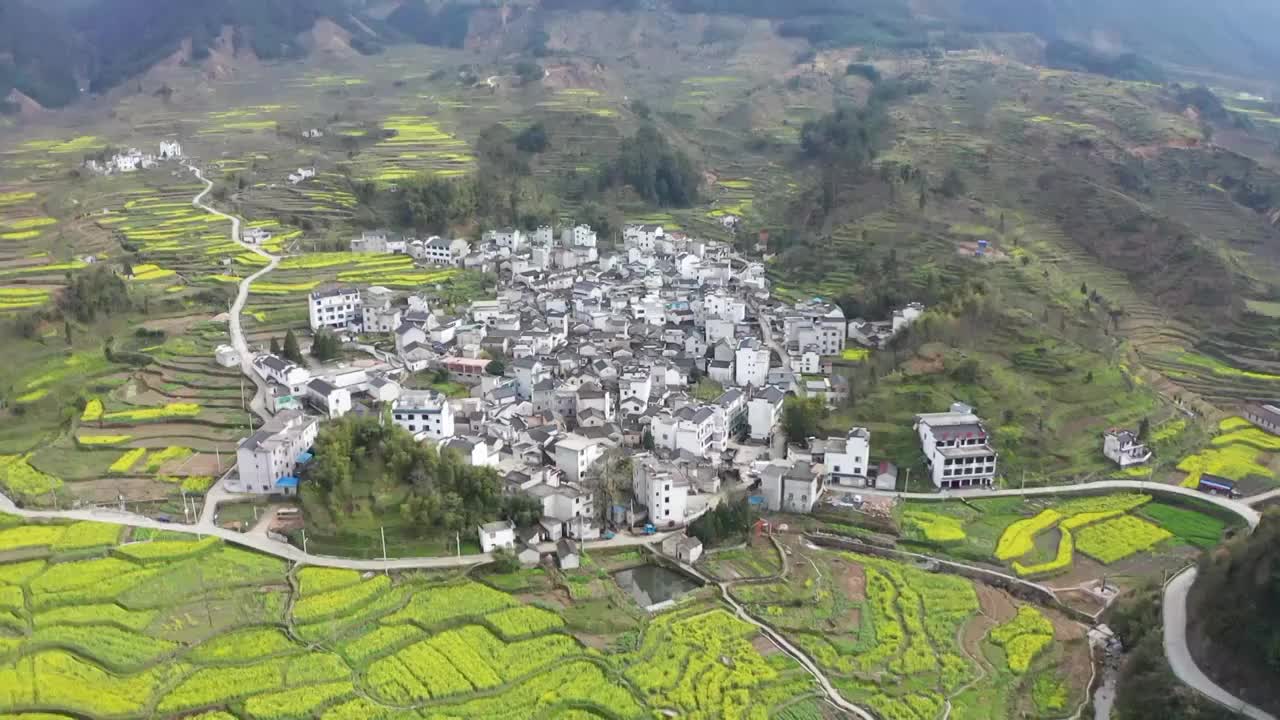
(909, 643)
(1063, 541)
(167, 628)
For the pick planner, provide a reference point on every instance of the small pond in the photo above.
(653, 585)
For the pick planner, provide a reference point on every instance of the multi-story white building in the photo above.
(576, 454)
(170, 150)
(848, 459)
(696, 430)
(334, 308)
(580, 236)
(724, 307)
(267, 461)
(277, 370)
(818, 324)
(529, 371)
(643, 237)
(425, 413)
(380, 241)
(751, 363)
(1123, 448)
(664, 495)
(512, 239)
(790, 486)
(764, 411)
(956, 448)
(438, 251)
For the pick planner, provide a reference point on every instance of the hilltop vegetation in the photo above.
(1235, 611)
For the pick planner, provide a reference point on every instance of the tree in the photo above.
(325, 346)
(292, 351)
(1084, 289)
(275, 346)
(659, 173)
(66, 331)
(1144, 429)
(495, 367)
(93, 291)
(801, 418)
(646, 440)
(504, 561)
(952, 185)
(533, 139)
(529, 71)
(728, 521)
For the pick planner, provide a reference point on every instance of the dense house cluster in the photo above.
(667, 350)
(133, 159)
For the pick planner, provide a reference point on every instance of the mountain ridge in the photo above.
(54, 53)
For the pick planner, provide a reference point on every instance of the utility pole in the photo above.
(383, 532)
(1024, 480)
(459, 538)
(304, 541)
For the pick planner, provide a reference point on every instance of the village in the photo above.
(584, 354)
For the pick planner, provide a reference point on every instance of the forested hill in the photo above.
(1235, 607)
(51, 50)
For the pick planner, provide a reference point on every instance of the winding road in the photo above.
(1175, 595)
(258, 405)
(1176, 649)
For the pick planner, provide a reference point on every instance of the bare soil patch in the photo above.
(996, 604)
(1081, 600)
(109, 490)
(764, 645)
(855, 582)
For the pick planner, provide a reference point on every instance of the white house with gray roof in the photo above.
(957, 448)
(267, 461)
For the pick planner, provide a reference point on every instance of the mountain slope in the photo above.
(40, 55)
(49, 56)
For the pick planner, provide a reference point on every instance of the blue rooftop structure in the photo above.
(305, 457)
(287, 481)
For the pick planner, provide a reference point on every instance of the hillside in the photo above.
(1235, 635)
(51, 52)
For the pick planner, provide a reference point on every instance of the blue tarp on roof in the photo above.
(287, 481)
(305, 457)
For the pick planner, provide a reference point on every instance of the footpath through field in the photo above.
(258, 405)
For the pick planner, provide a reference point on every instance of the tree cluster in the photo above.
(659, 173)
(1246, 628)
(1066, 55)
(96, 290)
(444, 26)
(849, 136)
(1147, 688)
(442, 492)
(802, 418)
(727, 522)
(325, 346)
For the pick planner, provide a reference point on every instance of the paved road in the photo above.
(291, 553)
(1238, 507)
(258, 405)
(1179, 655)
(1262, 497)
